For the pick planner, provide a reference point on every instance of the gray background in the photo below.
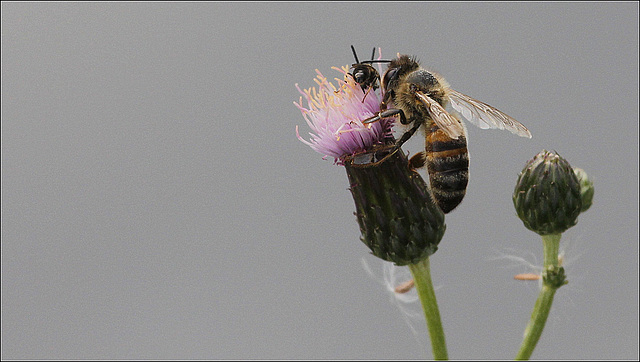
(157, 204)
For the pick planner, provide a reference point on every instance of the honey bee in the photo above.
(419, 97)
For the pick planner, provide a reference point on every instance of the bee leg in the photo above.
(408, 134)
(403, 118)
(417, 161)
(386, 114)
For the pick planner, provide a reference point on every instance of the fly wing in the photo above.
(449, 124)
(485, 116)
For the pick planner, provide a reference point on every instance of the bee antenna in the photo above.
(373, 53)
(354, 54)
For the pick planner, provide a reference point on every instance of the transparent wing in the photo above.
(485, 116)
(449, 124)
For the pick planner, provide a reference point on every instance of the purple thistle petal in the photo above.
(335, 117)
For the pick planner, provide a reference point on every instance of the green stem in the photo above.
(422, 278)
(553, 278)
(551, 248)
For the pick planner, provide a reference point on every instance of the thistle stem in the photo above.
(551, 248)
(553, 278)
(422, 277)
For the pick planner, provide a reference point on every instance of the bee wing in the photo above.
(449, 124)
(485, 116)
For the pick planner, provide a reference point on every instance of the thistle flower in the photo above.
(398, 219)
(547, 194)
(336, 114)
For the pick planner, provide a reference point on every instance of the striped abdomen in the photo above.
(447, 163)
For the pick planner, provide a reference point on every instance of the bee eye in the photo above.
(390, 75)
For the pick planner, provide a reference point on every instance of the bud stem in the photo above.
(536, 324)
(422, 276)
(551, 245)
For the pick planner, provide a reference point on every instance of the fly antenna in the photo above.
(375, 61)
(354, 54)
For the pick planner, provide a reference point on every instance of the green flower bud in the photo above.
(398, 219)
(586, 188)
(547, 194)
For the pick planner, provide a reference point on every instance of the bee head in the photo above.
(398, 67)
